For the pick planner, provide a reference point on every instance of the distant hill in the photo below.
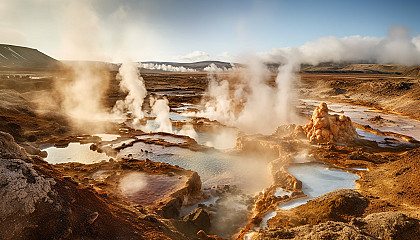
(367, 68)
(23, 58)
(412, 72)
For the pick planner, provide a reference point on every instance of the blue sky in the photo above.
(172, 29)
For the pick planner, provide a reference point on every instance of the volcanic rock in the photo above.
(325, 127)
(338, 205)
(386, 225)
(9, 149)
(200, 218)
(328, 230)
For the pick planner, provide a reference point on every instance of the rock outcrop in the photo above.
(21, 186)
(200, 218)
(339, 205)
(9, 149)
(325, 127)
(328, 230)
(386, 225)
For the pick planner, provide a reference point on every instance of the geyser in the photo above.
(131, 83)
(161, 109)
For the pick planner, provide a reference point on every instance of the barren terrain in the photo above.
(93, 208)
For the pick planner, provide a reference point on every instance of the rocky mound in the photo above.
(328, 230)
(325, 127)
(339, 205)
(387, 225)
(21, 186)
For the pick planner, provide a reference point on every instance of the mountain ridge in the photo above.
(13, 57)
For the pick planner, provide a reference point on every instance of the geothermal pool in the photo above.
(74, 152)
(146, 189)
(214, 167)
(317, 179)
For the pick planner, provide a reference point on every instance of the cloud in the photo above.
(416, 41)
(195, 56)
(225, 56)
(397, 48)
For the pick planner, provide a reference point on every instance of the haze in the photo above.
(187, 31)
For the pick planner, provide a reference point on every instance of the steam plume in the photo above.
(246, 100)
(188, 130)
(133, 84)
(82, 94)
(166, 68)
(161, 109)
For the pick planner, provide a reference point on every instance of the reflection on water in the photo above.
(107, 137)
(224, 138)
(146, 189)
(383, 141)
(169, 139)
(214, 167)
(74, 152)
(293, 204)
(265, 219)
(317, 180)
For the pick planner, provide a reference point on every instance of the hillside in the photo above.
(20, 58)
(366, 68)
(412, 72)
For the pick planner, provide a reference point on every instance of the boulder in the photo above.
(200, 218)
(10, 149)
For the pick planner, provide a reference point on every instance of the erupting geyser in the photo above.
(133, 84)
(325, 127)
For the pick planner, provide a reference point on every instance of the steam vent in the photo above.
(325, 127)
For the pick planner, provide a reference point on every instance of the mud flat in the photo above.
(385, 92)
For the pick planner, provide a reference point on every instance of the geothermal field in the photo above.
(105, 151)
(320, 141)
